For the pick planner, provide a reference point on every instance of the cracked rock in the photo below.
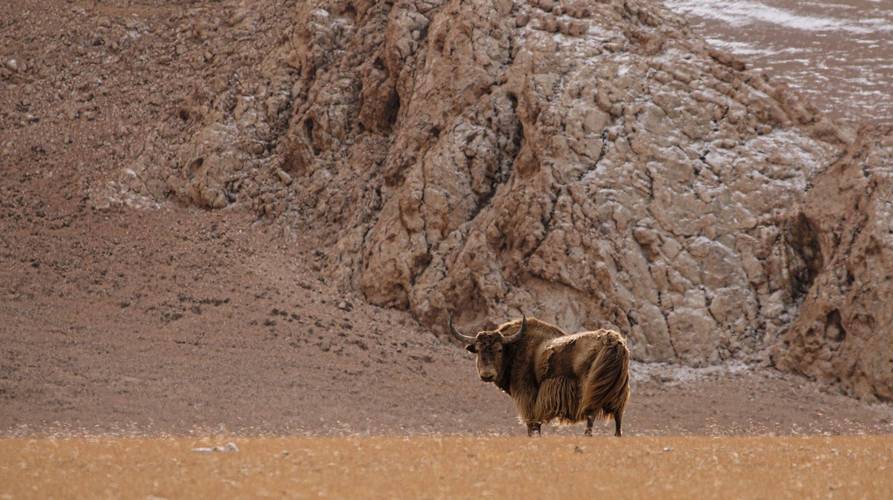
(606, 168)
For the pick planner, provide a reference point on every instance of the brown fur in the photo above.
(554, 376)
(558, 398)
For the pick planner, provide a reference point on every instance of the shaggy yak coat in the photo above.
(569, 378)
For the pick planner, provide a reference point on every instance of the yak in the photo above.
(551, 375)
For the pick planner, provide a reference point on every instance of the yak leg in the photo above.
(534, 427)
(618, 417)
(589, 420)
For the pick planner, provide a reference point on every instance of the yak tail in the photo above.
(606, 387)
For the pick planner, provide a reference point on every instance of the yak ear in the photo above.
(471, 348)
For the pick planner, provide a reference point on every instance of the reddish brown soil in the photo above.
(179, 319)
(176, 320)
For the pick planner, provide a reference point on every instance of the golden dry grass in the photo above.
(450, 467)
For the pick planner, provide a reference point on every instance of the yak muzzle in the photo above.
(488, 377)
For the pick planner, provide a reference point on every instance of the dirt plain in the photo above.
(177, 321)
(120, 309)
(453, 467)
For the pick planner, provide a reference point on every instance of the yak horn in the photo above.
(457, 334)
(520, 332)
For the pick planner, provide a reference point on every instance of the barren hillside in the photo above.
(594, 163)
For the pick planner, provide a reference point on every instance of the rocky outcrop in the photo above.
(590, 162)
(842, 334)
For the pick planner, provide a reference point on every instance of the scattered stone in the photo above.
(727, 59)
(564, 27)
(229, 447)
(577, 28)
(283, 176)
(549, 24)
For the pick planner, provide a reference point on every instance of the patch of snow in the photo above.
(740, 48)
(741, 13)
(672, 374)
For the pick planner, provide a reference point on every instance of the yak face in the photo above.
(488, 347)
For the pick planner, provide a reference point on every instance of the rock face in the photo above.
(843, 332)
(590, 162)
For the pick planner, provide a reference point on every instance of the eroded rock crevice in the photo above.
(841, 335)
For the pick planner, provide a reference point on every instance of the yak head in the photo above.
(488, 345)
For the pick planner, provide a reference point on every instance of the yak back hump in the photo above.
(570, 356)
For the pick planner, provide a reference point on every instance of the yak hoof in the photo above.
(587, 432)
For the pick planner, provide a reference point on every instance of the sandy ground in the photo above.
(451, 467)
